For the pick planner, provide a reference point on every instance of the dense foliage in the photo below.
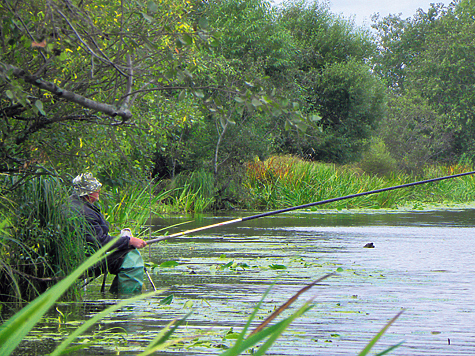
(189, 92)
(137, 90)
(426, 63)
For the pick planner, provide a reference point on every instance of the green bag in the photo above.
(130, 277)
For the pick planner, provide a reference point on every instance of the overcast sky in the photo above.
(363, 9)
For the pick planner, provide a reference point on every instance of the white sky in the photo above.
(363, 9)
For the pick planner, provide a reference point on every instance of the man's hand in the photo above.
(133, 241)
(137, 243)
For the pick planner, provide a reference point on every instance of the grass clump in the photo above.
(286, 181)
(41, 241)
(191, 193)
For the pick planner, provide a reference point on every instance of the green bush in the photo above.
(377, 160)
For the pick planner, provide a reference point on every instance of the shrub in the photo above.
(377, 160)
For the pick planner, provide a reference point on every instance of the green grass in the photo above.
(41, 240)
(191, 193)
(132, 207)
(286, 181)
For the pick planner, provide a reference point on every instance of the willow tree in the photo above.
(67, 66)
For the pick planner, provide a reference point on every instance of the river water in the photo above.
(422, 262)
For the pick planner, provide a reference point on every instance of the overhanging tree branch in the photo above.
(107, 109)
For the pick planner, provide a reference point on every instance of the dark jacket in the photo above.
(99, 228)
(97, 235)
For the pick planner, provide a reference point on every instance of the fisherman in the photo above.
(123, 260)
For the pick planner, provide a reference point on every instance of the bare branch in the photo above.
(130, 80)
(107, 109)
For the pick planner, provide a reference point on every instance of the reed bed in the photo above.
(193, 192)
(41, 240)
(286, 181)
(132, 206)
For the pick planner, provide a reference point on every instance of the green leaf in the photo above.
(222, 121)
(256, 103)
(9, 94)
(203, 23)
(27, 43)
(147, 17)
(227, 265)
(315, 117)
(232, 336)
(214, 42)
(199, 94)
(182, 95)
(167, 264)
(275, 266)
(63, 56)
(187, 39)
(39, 104)
(167, 300)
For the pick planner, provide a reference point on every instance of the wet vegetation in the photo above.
(244, 107)
(42, 242)
(285, 181)
(259, 340)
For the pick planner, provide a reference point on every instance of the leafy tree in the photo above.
(71, 66)
(351, 101)
(251, 44)
(332, 78)
(322, 38)
(427, 59)
(414, 133)
(444, 73)
(401, 41)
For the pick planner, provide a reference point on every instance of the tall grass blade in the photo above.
(375, 339)
(288, 303)
(275, 331)
(241, 336)
(282, 327)
(16, 328)
(160, 341)
(252, 340)
(62, 347)
(388, 350)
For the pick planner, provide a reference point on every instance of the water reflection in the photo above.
(422, 261)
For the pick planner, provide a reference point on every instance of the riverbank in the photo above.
(285, 181)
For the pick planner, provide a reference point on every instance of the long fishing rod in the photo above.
(246, 218)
